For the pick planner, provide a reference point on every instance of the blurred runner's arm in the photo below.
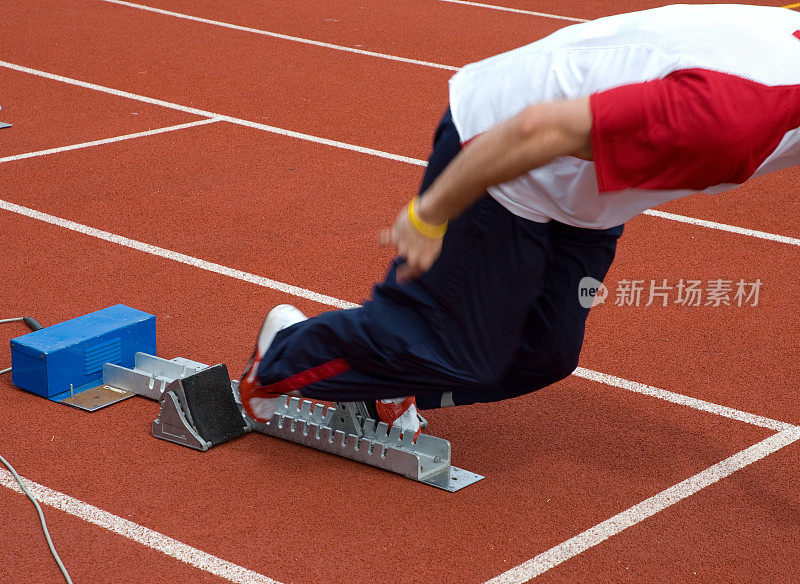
(536, 136)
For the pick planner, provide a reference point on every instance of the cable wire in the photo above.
(32, 323)
(41, 518)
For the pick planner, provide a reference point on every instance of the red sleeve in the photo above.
(690, 130)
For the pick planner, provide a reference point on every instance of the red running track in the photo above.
(557, 462)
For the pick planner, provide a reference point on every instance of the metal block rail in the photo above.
(188, 391)
(368, 441)
(150, 375)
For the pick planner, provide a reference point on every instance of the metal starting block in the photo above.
(200, 407)
(341, 431)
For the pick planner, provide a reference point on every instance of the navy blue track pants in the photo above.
(497, 316)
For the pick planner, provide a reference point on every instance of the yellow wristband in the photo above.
(426, 229)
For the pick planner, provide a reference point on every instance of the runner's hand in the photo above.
(418, 251)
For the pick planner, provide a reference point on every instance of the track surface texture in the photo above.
(205, 160)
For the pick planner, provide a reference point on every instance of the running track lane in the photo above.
(589, 10)
(185, 210)
(579, 480)
(90, 553)
(719, 208)
(49, 114)
(746, 529)
(309, 89)
(421, 29)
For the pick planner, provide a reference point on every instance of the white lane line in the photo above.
(107, 140)
(219, 117)
(331, 301)
(324, 141)
(138, 533)
(683, 400)
(516, 10)
(644, 510)
(175, 256)
(109, 90)
(284, 37)
(723, 227)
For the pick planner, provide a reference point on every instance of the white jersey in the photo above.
(685, 98)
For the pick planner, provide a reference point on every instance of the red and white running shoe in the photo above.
(259, 403)
(400, 411)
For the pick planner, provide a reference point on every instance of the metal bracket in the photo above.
(347, 418)
(345, 429)
(150, 374)
(172, 424)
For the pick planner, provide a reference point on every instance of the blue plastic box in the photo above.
(47, 361)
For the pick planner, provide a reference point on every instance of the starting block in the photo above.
(200, 407)
(105, 356)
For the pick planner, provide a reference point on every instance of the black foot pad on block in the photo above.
(211, 405)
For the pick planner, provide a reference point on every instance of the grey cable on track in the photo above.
(41, 518)
(33, 325)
